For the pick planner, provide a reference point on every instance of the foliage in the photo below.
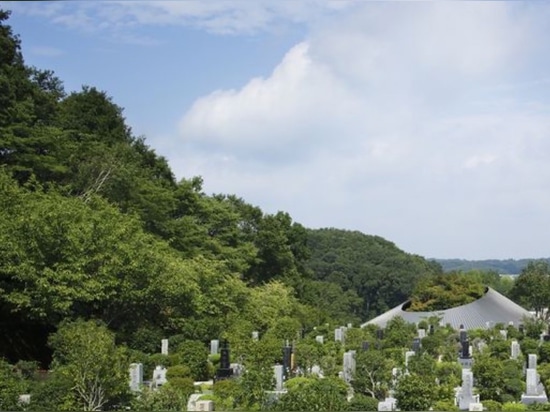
(313, 394)
(363, 403)
(415, 393)
(85, 354)
(11, 386)
(382, 275)
(532, 287)
(444, 291)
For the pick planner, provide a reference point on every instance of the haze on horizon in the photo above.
(426, 123)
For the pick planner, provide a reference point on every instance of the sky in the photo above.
(426, 123)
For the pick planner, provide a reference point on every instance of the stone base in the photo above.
(476, 407)
(387, 405)
(529, 399)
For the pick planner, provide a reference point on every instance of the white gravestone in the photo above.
(136, 376)
(514, 349)
(349, 365)
(421, 333)
(534, 391)
(159, 376)
(255, 335)
(164, 346)
(214, 346)
(320, 339)
(338, 335)
(278, 372)
(466, 395)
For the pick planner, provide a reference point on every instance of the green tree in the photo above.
(85, 353)
(373, 373)
(532, 287)
(415, 393)
(311, 394)
(11, 386)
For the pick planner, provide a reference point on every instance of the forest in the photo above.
(103, 253)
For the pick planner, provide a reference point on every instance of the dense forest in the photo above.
(94, 225)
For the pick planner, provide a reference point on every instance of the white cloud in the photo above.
(120, 20)
(394, 120)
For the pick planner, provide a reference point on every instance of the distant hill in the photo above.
(506, 266)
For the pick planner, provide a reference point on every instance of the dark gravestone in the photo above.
(432, 329)
(224, 370)
(465, 349)
(416, 345)
(365, 345)
(379, 334)
(287, 361)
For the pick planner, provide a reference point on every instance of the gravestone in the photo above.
(287, 360)
(319, 339)
(338, 335)
(214, 346)
(514, 349)
(416, 345)
(421, 333)
(466, 395)
(204, 405)
(255, 335)
(349, 365)
(159, 376)
(504, 333)
(388, 404)
(365, 345)
(534, 391)
(136, 376)
(278, 371)
(224, 371)
(164, 346)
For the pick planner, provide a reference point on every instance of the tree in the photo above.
(86, 354)
(415, 393)
(11, 386)
(532, 288)
(373, 373)
(313, 394)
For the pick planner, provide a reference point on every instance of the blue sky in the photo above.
(426, 123)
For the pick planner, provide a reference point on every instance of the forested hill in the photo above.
(94, 225)
(505, 266)
(374, 268)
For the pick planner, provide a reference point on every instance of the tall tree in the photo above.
(86, 354)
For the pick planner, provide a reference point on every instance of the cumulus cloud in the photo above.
(408, 120)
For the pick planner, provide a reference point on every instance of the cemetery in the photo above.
(462, 385)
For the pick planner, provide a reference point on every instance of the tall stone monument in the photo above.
(224, 371)
(534, 391)
(136, 376)
(164, 346)
(214, 346)
(349, 366)
(466, 395)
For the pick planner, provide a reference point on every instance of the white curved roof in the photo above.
(491, 307)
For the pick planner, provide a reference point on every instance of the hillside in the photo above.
(380, 273)
(504, 266)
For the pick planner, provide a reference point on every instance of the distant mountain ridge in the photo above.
(503, 266)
